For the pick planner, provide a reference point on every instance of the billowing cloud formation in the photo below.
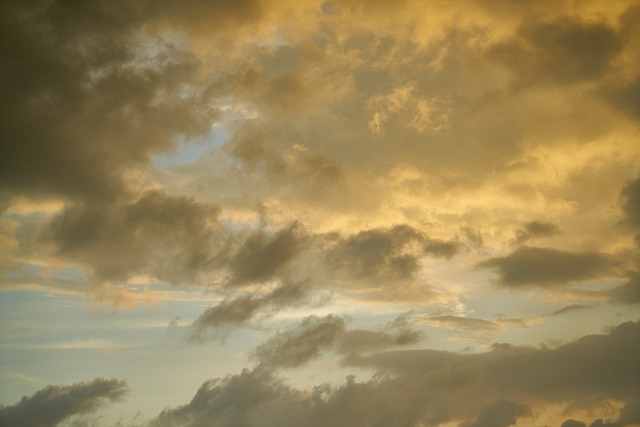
(548, 267)
(427, 386)
(101, 102)
(54, 404)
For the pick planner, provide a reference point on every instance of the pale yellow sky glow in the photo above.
(320, 213)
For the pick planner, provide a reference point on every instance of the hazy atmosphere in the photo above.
(308, 213)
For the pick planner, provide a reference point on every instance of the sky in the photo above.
(320, 213)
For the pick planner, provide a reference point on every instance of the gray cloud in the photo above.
(562, 51)
(534, 230)
(217, 321)
(573, 423)
(356, 341)
(548, 267)
(464, 323)
(570, 309)
(631, 206)
(502, 413)
(171, 238)
(425, 386)
(261, 256)
(523, 373)
(82, 102)
(53, 404)
(386, 253)
(297, 347)
(628, 293)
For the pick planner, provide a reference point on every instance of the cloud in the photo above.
(531, 266)
(261, 256)
(573, 423)
(171, 238)
(101, 100)
(422, 386)
(387, 254)
(525, 373)
(502, 413)
(562, 51)
(631, 198)
(464, 324)
(53, 404)
(570, 309)
(356, 341)
(297, 347)
(218, 320)
(628, 293)
(534, 230)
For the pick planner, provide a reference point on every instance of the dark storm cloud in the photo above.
(502, 413)
(563, 51)
(171, 238)
(84, 98)
(548, 267)
(573, 423)
(54, 404)
(297, 347)
(534, 230)
(218, 320)
(428, 387)
(261, 255)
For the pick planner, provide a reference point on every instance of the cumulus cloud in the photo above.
(54, 404)
(531, 266)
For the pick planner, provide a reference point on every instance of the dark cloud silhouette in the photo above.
(261, 255)
(573, 423)
(82, 102)
(171, 238)
(297, 347)
(422, 386)
(534, 230)
(548, 267)
(502, 413)
(53, 404)
(217, 321)
(562, 51)
(386, 253)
